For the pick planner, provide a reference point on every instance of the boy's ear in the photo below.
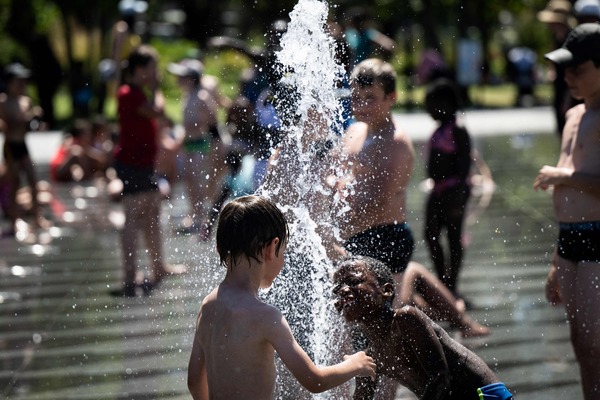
(270, 249)
(393, 96)
(387, 290)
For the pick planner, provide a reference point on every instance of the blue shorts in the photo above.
(579, 241)
(495, 391)
(391, 244)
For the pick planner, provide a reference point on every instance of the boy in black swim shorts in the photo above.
(575, 270)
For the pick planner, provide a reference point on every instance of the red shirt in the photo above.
(138, 136)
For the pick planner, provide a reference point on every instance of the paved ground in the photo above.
(62, 336)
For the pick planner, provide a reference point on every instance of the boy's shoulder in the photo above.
(576, 111)
(239, 303)
(409, 318)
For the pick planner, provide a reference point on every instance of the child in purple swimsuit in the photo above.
(448, 165)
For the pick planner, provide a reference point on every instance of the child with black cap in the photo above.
(575, 269)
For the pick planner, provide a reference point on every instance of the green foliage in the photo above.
(46, 13)
(404, 19)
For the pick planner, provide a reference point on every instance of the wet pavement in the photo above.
(62, 336)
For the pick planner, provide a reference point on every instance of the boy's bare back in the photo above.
(231, 336)
(417, 349)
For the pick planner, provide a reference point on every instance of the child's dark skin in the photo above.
(407, 346)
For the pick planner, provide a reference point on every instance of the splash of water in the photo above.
(310, 72)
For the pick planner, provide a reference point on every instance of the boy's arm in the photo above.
(427, 349)
(549, 176)
(313, 378)
(197, 380)
(154, 107)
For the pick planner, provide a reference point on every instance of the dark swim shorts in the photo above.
(495, 391)
(136, 179)
(579, 241)
(392, 244)
(15, 151)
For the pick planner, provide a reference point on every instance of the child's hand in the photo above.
(552, 289)
(363, 363)
(549, 176)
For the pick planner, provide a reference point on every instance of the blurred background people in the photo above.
(79, 158)
(203, 151)
(558, 16)
(587, 11)
(140, 106)
(364, 39)
(18, 116)
(124, 38)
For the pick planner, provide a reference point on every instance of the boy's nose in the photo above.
(343, 289)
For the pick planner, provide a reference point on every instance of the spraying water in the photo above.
(311, 115)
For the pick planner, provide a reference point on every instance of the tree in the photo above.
(47, 74)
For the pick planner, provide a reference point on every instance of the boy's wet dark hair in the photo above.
(382, 272)
(246, 225)
(443, 91)
(372, 71)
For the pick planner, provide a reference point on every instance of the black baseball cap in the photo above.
(582, 44)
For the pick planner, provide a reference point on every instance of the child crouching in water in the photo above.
(406, 345)
(237, 335)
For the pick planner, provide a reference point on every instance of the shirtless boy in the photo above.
(380, 158)
(575, 268)
(237, 334)
(16, 114)
(406, 345)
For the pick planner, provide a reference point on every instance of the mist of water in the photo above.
(295, 182)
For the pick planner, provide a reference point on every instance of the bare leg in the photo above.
(579, 289)
(196, 169)
(150, 222)
(129, 235)
(440, 303)
(39, 220)
(12, 177)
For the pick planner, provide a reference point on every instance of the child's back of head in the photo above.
(443, 99)
(245, 226)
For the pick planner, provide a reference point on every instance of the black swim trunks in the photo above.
(15, 151)
(579, 241)
(392, 244)
(136, 179)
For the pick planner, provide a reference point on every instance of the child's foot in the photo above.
(148, 287)
(470, 328)
(128, 290)
(461, 301)
(167, 271)
(460, 305)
